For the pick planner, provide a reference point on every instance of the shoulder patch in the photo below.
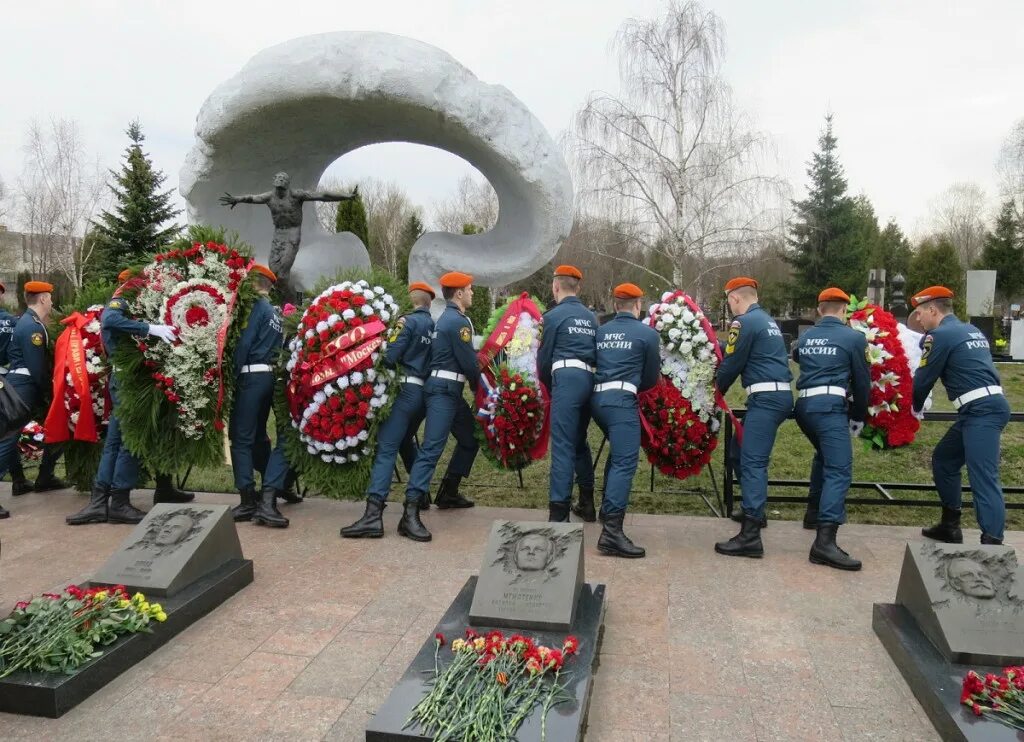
(396, 330)
(465, 335)
(734, 335)
(116, 304)
(37, 338)
(926, 348)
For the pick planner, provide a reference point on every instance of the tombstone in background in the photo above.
(981, 294)
(876, 286)
(898, 303)
(1017, 339)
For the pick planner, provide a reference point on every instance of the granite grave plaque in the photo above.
(174, 546)
(968, 601)
(531, 576)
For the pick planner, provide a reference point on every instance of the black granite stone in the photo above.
(51, 694)
(566, 722)
(171, 548)
(935, 682)
(531, 576)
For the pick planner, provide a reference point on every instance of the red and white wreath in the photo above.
(96, 368)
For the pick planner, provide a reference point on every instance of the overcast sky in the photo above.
(923, 91)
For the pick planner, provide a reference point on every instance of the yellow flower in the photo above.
(144, 607)
(123, 603)
(156, 608)
(161, 616)
(479, 643)
(101, 595)
(138, 598)
(458, 645)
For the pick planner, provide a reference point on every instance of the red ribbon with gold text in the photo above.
(69, 358)
(363, 341)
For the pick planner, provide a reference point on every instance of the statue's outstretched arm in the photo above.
(258, 198)
(327, 195)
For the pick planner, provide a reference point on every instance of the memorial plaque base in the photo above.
(53, 695)
(935, 682)
(566, 722)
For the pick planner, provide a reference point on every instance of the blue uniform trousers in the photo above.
(446, 412)
(571, 389)
(974, 440)
(277, 466)
(394, 434)
(118, 468)
(765, 413)
(254, 394)
(832, 467)
(618, 416)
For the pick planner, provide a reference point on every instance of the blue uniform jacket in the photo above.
(261, 338)
(115, 320)
(452, 346)
(7, 323)
(755, 349)
(28, 350)
(409, 344)
(570, 331)
(958, 353)
(833, 354)
(628, 350)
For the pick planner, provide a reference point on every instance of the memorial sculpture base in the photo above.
(566, 722)
(52, 695)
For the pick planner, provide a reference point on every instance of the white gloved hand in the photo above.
(855, 428)
(919, 415)
(164, 332)
(928, 403)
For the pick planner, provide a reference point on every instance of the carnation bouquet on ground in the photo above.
(490, 685)
(679, 415)
(30, 441)
(512, 404)
(890, 422)
(175, 397)
(998, 697)
(338, 389)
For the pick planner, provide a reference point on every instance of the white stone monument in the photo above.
(981, 293)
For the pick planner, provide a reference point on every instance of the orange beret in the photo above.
(3, 289)
(421, 286)
(932, 292)
(571, 271)
(834, 294)
(627, 291)
(456, 280)
(125, 275)
(740, 282)
(38, 287)
(264, 271)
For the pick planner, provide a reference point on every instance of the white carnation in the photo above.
(321, 326)
(356, 378)
(333, 320)
(348, 314)
(378, 290)
(389, 298)
(385, 315)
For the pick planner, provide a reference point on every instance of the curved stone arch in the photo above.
(302, 104)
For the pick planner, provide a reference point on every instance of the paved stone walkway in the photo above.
(697, 646)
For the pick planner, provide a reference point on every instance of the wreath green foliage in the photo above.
(499, 312)
(337, 481)
(149, 423)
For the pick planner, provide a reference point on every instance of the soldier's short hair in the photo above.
(420, 298)
(747, 292)
(623, 305)
(943, 304)
(568, 283)
(831, 307)
(448, 292)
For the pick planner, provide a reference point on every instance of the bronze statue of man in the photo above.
(286, 212)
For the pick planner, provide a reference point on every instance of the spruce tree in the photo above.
(936, 263)
(412, 230)
(830, 233)
(1004, 253)
(351, 217)
(138, 225)
(892, 251)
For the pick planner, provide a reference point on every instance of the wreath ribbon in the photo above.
(69, 358)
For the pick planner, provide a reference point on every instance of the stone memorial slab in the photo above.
(968, 600)
(981, 293)
(174, 546)
(531, 576)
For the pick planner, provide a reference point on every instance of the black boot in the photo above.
(95, 511)
(948, 529)
(558, 512)
(411, 526)
(49, 483)
(991, 540)
(737, 515)
(121, 509)
(810, 518)
(424, 501)
(584, 507)
(745, 543)
(267, 513)
(4, 513)
(371, 525)
(290, 496)
(247, 507)
(166, 491)
(448, 495)
(824, 550)
(614, 542)
(20, 487)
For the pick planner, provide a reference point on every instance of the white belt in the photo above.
(3, 370)
(985, 391)
(572, 363)
(410, 380)
(817, 391)
(609, 385)
(768, 386)
(450, 375)
(26, 372)
(256, 368)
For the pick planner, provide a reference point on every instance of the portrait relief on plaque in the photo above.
(169, 531)
(980, 579)
(532, 556)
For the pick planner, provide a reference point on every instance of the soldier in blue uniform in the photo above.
(118, 471)
(833, 364)
(19, 484)
(565, 363)
(756, 352)
(959, 354)
(408, 352)
(257, 350)
(453, 362)
(628, 362)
